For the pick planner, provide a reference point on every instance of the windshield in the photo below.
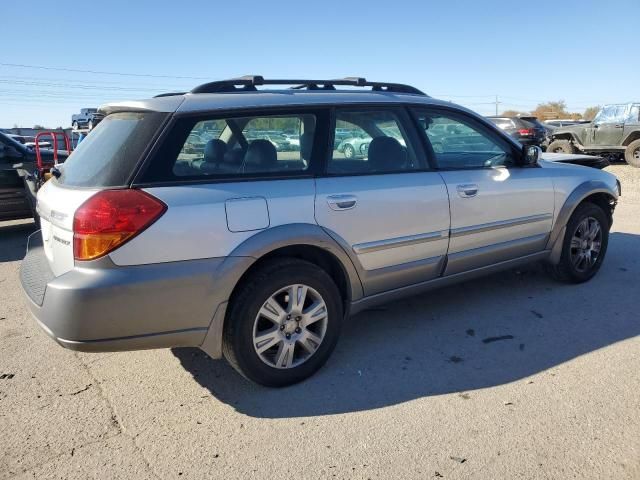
(108, 156)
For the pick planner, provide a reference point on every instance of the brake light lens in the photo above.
(525, 131)
(110, 218)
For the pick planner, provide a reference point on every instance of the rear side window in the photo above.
(371, 141)
(235, 146)
(108, 156)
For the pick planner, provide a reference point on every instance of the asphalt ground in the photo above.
(510, 376)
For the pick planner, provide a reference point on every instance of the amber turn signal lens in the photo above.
(110, 218)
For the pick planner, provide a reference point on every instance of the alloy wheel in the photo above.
(290, 326)
(586, 244)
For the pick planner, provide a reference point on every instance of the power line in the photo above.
(99, 72)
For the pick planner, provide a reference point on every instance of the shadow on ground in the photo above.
(13, 240)
(479, 334)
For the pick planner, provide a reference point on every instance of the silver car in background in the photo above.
(258, 254)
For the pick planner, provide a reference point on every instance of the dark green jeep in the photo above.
(614, 132)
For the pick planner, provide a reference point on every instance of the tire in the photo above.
(281, 364)
(570, 269)
(561, 146)
(90, 125)
(74, 126)
(632, 153)
(349, 151)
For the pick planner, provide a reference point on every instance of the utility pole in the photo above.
(497, 103)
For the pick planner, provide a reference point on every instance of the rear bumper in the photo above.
(114, 308)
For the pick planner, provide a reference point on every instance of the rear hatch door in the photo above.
(106, 159)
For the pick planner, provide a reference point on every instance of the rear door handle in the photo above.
(342, 202)
(467, 190)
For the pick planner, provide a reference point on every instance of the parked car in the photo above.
(614, 132)
(355, 147)
(260, 256)
(526, 130)
(87, 118)
(19, 179)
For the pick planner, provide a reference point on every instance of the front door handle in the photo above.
(467, 190)
(342, 202)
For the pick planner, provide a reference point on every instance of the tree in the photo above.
(591, 112)
(549, 110)
(38, 127)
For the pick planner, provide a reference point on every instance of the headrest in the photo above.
(386, 154)
(261, 153)
(214, 151)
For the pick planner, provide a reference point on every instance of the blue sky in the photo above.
(585, 52)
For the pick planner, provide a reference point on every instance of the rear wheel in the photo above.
(75, 125)
(584, 245)
(283, 323)
(561, 146)
(632, 153)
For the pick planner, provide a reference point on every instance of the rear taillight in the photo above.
(111, 218)
(525, 132)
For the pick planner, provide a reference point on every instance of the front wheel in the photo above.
(632, 153)
(584, 245)
(561, 146)
(284, 323)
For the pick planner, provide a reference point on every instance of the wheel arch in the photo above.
(303, 241)
(633, 136)
(593, 191)
(566, 136)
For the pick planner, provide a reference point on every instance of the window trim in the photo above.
(320, 112)
(482, 125)
(405, 120)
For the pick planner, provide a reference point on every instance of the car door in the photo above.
(499, 210)
(384, 206)
(13, 202)
(608, 126)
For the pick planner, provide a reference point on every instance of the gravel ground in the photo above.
(511, 376)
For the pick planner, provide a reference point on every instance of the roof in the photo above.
(194, 102)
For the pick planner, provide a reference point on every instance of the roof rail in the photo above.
(249, 83)
(169, 94)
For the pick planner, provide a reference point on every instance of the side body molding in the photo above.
(581, 192)
(259, 245)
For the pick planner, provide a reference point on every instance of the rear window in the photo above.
(110, 153)
(502, 123)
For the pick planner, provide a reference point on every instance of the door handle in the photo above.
(342, 202)
(467, 190)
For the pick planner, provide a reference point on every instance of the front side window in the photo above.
(457, 143)
(371, 141)
(634, 114)
(610, 114)
(237, 146)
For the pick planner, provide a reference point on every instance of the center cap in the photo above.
(290, 326)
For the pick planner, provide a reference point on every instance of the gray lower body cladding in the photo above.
(131, 307)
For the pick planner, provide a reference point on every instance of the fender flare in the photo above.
(257, 246)
(574, 199)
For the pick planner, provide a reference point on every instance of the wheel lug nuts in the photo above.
(288, 335)
(281, 327)
(298, 319)
(288, 317)
(298, 330)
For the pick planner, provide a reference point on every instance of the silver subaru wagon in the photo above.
(227, 218)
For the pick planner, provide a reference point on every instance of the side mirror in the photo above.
(532, 154)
